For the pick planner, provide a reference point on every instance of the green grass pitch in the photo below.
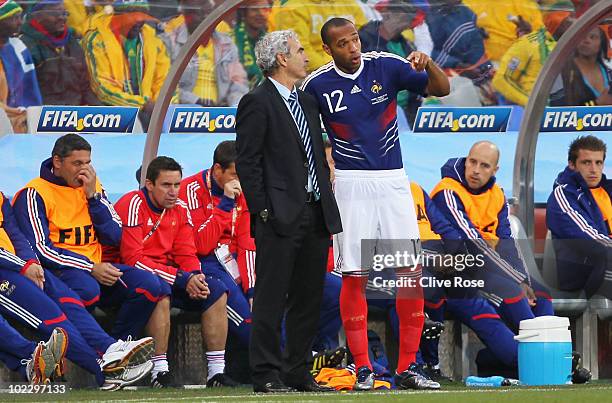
(596, 392)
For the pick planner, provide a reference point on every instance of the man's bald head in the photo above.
(481, 164)
(486, 147)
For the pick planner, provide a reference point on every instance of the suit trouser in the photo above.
(290, 273)
(239, 310)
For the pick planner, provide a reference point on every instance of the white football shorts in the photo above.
(374, 206)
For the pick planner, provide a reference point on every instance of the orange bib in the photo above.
(425, 231)
(70, 226)
(481, 209)
(5, 241)
(605, 206)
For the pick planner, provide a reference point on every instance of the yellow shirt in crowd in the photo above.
(520, 66)
(492, 16)
(206, 83)
(306, 17)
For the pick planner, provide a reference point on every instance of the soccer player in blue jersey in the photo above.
(357, 97)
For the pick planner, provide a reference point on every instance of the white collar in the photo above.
(282, 90)
(352, 76)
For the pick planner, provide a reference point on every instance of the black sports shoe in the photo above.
(419, 369)
(433, 372)
(272, 387)
(164, 380)
(221, 380)
(327, 359)
(364, 379)
(431, 329)
(579, 374)
(413, 378)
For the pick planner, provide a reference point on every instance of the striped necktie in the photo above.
(302, 125)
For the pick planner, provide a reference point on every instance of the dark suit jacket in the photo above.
(272, 163)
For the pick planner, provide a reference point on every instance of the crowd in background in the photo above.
(119, 52)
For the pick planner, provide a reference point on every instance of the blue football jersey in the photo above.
(359, 110)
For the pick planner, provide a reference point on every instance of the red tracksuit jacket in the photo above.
(161, 244)
(218, 219)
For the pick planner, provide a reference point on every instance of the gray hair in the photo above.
(271, 45)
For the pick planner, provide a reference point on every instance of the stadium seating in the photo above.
(567, 303)
(599, 308)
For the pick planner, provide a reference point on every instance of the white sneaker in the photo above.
(127, 376)
(122, 354)
(48, 358)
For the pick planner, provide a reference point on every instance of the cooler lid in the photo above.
(545, 322)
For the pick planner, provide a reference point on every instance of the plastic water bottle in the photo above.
(490, 382)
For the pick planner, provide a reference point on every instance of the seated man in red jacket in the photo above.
(158, 237)
(222, 234)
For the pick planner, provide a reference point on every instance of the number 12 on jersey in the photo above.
(329, 97)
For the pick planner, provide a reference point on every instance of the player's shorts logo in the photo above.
(376, 87)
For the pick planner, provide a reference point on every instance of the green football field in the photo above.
(597, 392)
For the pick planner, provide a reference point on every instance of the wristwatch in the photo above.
(96, 196)
(264, 214)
